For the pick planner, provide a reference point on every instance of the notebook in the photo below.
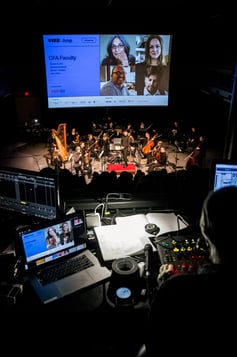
(45, 247)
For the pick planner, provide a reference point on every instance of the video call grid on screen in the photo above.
(37, 248)
(74, 74)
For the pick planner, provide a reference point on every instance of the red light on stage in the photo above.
(26, 94)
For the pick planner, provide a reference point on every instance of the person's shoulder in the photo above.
(141, 64)
(106, 62)
(106, 88)
(107, 84)
(132, 59)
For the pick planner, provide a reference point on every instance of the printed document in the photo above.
(128, 236)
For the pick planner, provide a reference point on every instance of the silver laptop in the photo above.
(48, 250)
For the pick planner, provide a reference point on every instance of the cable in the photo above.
(122, 196)
(103, 207)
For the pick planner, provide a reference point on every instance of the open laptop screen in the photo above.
(223, 173)
(57, 240)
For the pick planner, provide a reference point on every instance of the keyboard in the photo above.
(64, 269)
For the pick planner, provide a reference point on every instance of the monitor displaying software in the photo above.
(29, 192)
(223, 173)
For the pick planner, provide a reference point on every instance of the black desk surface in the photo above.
(84, 301)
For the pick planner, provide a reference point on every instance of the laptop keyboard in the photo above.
(64, 269)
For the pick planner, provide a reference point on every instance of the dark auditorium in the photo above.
(118, 173)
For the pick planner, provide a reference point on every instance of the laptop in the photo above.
(223, 173)
(49, 246)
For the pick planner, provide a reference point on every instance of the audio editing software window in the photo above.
(224, 173)
(29, 192)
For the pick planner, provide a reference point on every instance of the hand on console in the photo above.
(165, 271)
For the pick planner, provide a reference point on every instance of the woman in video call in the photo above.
(52, 239)
(154, 51)
(118, 52)
(116, 84)
(154, 57)
(66, 234)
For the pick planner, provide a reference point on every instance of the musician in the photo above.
(192, 139)
(202, 147)
(157, 149)
(56, 159)
(148, 145)
(176, 135)
(86, 159)
(125, 145)
(104, 143)
(132, 145)
(112, 132)
(95, 129)
(141, 133)
(197, 156)
(91, 146)
(160, 160)
(73, 139)
(77, 160)
(130, 129)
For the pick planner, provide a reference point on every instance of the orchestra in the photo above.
(105, 143)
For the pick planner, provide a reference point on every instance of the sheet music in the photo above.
(128, 236)
(116, 241)
(166, 221)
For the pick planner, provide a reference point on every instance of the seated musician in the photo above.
(192, 139)
(160, 160)
(198, 155)
(156, 149)
(148, 145)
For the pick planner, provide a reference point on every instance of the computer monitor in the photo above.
(223, 173)
(29, 192)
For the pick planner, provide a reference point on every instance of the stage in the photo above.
(32, 156)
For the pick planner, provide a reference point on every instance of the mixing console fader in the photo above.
(184, 252)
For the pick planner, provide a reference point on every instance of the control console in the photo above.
(186, 252)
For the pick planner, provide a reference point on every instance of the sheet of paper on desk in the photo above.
(118, 241)
(166, 221)
(128, 235)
